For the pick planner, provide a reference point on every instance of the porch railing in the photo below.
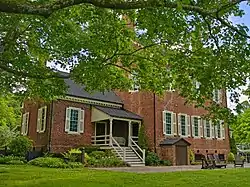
(135, 147)
(102, 140)
(118, 147)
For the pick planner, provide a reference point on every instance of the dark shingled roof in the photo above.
(78, 91)
(172, 141)
(119, 113)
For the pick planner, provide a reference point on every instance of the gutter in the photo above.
(154, 122)
(51, 122)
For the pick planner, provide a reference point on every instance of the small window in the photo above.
(217, 96)
(207, 128)
(169, 121)
(25, 124)
(135, 84)
(74, 122)
(183, 123)
(196, 126)
(41, 119)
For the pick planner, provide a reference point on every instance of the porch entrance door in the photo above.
(101, 131)
(135, 129)
(101, 128)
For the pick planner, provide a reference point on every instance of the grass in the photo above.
(46, 177)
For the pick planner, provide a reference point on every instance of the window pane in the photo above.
(183, 125)
(218, 130)
(196, 127)
(168, 123)
(208, 128)
(74, 121)
(43, 119)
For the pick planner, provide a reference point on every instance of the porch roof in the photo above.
(119, 113)
(173, 141)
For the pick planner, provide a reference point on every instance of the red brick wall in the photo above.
(142, 103)
(40, 140)
(61, 140)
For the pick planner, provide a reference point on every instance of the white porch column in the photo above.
(110, 130)
(129, 132)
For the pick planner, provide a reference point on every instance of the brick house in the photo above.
(112, 120)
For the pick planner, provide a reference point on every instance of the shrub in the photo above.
(12, 160)
(51, 162)
(105, 162)
(75, 151)
(74, 165)
(20, 145)
(152, 159)
(90, 149)
(6, 135)
(165, 163)
(191, 156)
(230, 157)
(243, 158)
(196, 163)
(97, 154)
(142, 139)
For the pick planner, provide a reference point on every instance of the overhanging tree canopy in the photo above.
(164, 43)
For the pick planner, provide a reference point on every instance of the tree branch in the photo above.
(34, 76)
(47, 9)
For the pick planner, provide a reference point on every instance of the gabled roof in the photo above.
(174, 140)
(79, 91)
(119, 113)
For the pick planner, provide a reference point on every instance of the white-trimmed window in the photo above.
(25, 124)
(135, 84)
(207, 128)
(74, 122)
(41, 119)
(217, 96)
(219, 130)
(169, 122)
(196, 126)
(184, 124)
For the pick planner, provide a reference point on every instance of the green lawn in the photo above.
(36, 177)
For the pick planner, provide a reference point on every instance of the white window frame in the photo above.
(199, 126)
(41, 123)
(135, 87)
(25, 124)
(81, 117)
(219, 99)
(205, 128)
(222, 131)
(173, 122)
(187, 125)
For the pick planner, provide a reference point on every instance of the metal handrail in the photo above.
(122, 149)
(141, 150)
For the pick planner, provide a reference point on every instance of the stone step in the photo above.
(136, 164)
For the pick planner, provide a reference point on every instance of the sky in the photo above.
(245, 20)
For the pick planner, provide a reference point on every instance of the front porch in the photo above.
(123, 131)
(117, 129)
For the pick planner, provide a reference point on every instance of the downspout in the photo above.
(51, 122)
(154, 122)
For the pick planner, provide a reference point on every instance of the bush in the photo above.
(142, 139)
(196, 163)
(105, 162)
(165, 163)
(54, 163)
(20, 145)
(230, 157)
(152, 159)
(97, 154)
(191, 156)
(90, 149)
(12, 160)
